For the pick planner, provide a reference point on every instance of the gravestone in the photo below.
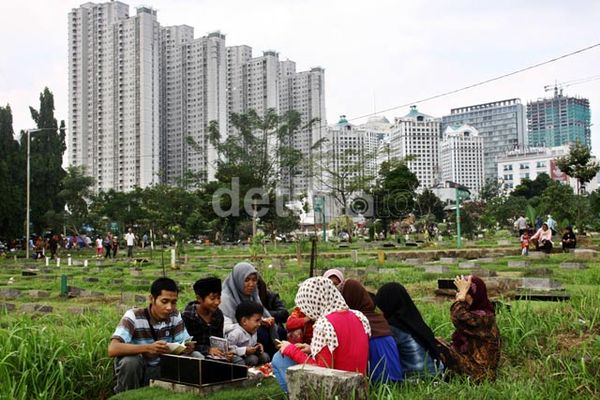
(449, 260)
(469, 265)
(344, 245)
(483, 273)
(38, 294)
(307, 382)
(278, 263)
(543, 271)
(32, 308)
(584, 254)
(91, 279)
(9, 293)
(436, 269)
(413, 261)
(572, 265)
(354, 256)
(541, 284)
(91, 293)
(117, 281)
(372, 269)
(537, 255)
(135, 272)
(28, 273)
(504, 242)
(486, 260)
(7, 307)
(518, 264)
(81, 310)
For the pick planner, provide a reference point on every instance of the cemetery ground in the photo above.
(54, 347)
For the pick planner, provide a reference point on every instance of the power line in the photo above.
(437, 96)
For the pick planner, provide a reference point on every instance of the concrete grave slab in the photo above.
(541, 284)
(7, 307)
(572, 265)
(518, 264)
(38, 294)
(469, 265)
(307, 382)
(436, 269)
(449, 260)
(9, 293)
(537, 255)
(33, 308)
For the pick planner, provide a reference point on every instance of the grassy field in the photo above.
(550, 350)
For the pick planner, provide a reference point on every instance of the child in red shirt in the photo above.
(299, 327)
(525, 243)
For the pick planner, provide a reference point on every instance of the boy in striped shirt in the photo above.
(142, 335)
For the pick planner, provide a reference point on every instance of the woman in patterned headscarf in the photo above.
(475, 347)
(340, 335)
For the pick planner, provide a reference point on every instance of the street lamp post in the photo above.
(29, 132)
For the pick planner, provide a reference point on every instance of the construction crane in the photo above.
(560, 86)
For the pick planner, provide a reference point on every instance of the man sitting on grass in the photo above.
(142, 335)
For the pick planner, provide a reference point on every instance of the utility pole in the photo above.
(458, 233)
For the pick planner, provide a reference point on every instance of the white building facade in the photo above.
(417, 135)
(114, 96)
(517, 165)
(461, 157)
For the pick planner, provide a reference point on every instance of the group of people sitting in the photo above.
(542, 238)
(337, 323)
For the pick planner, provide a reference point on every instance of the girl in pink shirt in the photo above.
(340, 335)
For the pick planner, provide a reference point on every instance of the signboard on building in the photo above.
(556, 174)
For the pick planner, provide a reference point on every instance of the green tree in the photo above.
(47, 148)
(12, 179)
(259, 157)
(532, 188)
(503, 211)
(491, 189)
(76, 193)
(394, 194)
(429, 204)
(578, 164)
(560, 201)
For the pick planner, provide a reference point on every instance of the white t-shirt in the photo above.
(99, 243)
(130, 237)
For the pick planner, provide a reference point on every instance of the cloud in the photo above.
(384, 52)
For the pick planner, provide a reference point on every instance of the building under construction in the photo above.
(558, 120)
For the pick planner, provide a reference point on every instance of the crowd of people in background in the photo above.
(336, 323)
(50, 244)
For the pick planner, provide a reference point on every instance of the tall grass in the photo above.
(57, 357)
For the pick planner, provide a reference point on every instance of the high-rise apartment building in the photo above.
(559, 120)
(417, 135)
(461, 157)
(501, 124)
(114, 94)
(141, 98)
(303, 92)
(194, 94)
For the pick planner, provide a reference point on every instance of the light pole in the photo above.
(29, 132)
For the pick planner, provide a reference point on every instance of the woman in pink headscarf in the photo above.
(475, 347)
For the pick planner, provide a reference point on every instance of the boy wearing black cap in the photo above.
(204, 319)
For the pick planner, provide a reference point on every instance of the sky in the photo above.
(377, 54)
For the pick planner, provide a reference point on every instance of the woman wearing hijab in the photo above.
(335, 275)
(239, 286)
(384, 361)
(475, 347)
(340, 335)
(417, 346)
